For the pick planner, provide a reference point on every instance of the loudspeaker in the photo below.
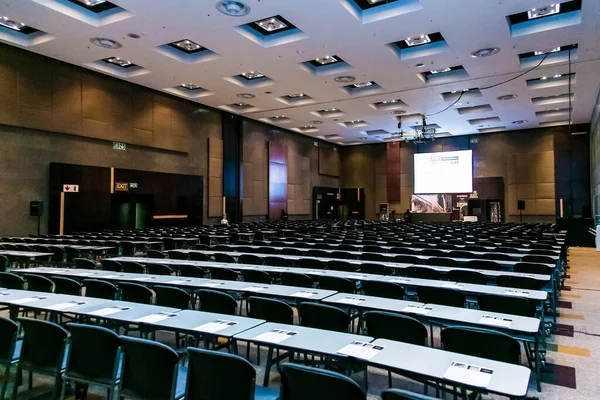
(520, 204)
(36, 208)
(586, 211)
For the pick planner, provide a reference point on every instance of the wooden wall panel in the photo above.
(329, 161)
(215, 177)
(278, 175)
(392, 157)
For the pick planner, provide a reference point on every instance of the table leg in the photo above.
(268, 367)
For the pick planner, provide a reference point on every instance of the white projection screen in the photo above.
(444, 172)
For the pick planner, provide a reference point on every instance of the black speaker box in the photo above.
(520, 204)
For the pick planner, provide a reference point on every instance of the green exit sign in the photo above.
(133, 185)
(119, 146)
(474, 140)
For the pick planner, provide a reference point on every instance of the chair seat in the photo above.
(264, 393)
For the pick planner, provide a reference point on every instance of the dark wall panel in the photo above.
(277, 180)
(393, 171)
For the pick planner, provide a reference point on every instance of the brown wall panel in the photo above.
(393, 171)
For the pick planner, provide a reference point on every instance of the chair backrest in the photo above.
(401, 250)
(446, 297)
(432, 252)
(224, 274)
(374, 257)
(135, 293)
(95, 353)
(191, 271)
(44, 345)
(507, 305)
(155, 254)
(199, 256)
(201, 247)
(422, 273)
(127, 249)
(178, 255)
(38, 283)
(398, 327)
(376, 269)
(250, 259)
(460, 275)
(336, 265)
(277, 261)
(218, 376)
(149, 369)
(442, 261)
(322, 316)
(270, 310)
(100, 289)
(407, 259)
(4, 263)
(217, 302)
(293, 279)
(71, 253)
(173, 297)
(84, 263)
(67, 286)
(399, 394)
(133, 267)
(11, 281)
(111, 265)
(496, 256)
(519, 282)
(159, 269)
(532, 268)
(460, 254)
(311, 263)
(300, 382)
(256, 276)
(538, 259)
(343, 255)
(387, 290)
(342, 285)
(317, 253)
(484, 264)
(482, 343)
(9, 331)
(224, 258)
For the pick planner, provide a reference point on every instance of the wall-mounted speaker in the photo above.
(36, 208)
(520, 204)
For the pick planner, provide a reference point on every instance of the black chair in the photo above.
(336, 265)
(191, 271)
(491, 345)
(300, 382)
(222, 247)
(399, 394)
(111, 265)
(432, 252)
(151, 371)
(344, 255)
(290, 251)
(374, 257)
(223, 258)
(342, 285)
(95, 357)
(294, 279)
(270, 310)
(155, 254)
(538, 259)
(135, 293)
(459, 275)
(375, 269)
(133, 267)
(401, 250)
(445, 297)
(322, 316)
(398, 327)
(10, 350)
(159, 269)
(67, 286)
(224, 274)
(11, 281)
(460, 254)
(256, 276)
(277, 261)
(127, 249)
(507, 305)
(250, 259)
(199, 256)
(179, 255)
(71, 254)
(519, 282)
(44, 350)
(532, 268)
(167, 296)
(422, 273)
(496, 256)
(309, 263)
(38, 283)
(474, 247)
(100, 289)
(442, 261)
(210, 373)
(84, 263)
(483, 264)
(59, 256)
(201, 247)
(217, 302)
(407, 259)
(387, 290)
(318, 253)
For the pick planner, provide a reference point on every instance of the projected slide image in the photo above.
(444, 172)
(431, 203)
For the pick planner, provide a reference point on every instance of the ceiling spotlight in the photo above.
(417, 40)
(119, 62)
(363, 84)
(482, 53)
(187, 45)
(189, 86)
(543, 78)
(546, 51)
(508, 97)
(295, 95)
(91, 3)
(327, 60)
(252, 75)
(11, 24)
(543, 11)
(246, 95)
(398, 112)
(242, 105)
(271, 24)
(344, 79)
(557, 76)
(106, 43)
(233, 8)
(439, 71)
(519, 121)
(389, 101)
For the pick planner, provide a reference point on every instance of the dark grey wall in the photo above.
(595, 158)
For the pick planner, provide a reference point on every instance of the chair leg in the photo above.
(390, 379)
(268, 367)
(30, 380)
(5, 383)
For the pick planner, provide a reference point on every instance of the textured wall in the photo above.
(595, 158)
(215, 177)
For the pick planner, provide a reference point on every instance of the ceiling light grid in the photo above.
(92, 12)
(271, 31)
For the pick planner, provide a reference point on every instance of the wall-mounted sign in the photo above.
(133, 185)
(474, 140)
(122, 186)
(119, 146)
(71, 188)
(316, 144)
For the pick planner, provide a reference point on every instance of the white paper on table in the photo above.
(142, 279)
(518, 293)
(304, 293)
(26, 300)
(110, 276)
(152, 318)
(108, 311)
(359, 349)
(316, 272)
(350, 300)
(496, 321)
(255, 288)
(417, 310)
(400, 280)
(469, 374)
(280, 269)
(215, 326)
(356, 277)
(67, 305)
(84, 273)
(452, 285)
(275, 336)
(210, 284)
(178, 281)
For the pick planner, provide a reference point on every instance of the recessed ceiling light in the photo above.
(11, 24)
(246, 95)
(557, 76)
(233, 8)
(398, 112)
(316, 122)
(355, 122)
(389, 101)
(543, 11)
(295, 95)
(417, 40)
(187, 46)
(519, 121)
(119, 62)
(91, 3)
(439, 71)
(363, 84)
(271, 24)
(508, 97)
(543, 78)
(134, 35)
(189, 86)
(546, 51)
(327, 60)
(242, 105)
(106, 43)
(481, 53)
(345, 79)
(252, 75)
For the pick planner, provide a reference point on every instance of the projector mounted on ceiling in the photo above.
(416, 137)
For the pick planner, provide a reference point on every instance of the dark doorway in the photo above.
(131, 211)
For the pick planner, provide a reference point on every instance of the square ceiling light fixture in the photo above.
(545, 18)
(189, 90)
(19, 33)
(186, 51)
(389, 105)
(277, 119)
(354, 123)
(367, 11)
(271, 31)
(422, 45)
(117, 66)
(326, 65)
(552, 100)
(296, 99)
(328, 113)
(92, 12)
(551, 81)
(239, 108)
(551, 55)
(361, 88)
(250, 79)
(306, 129)
(444, 75)
(465, 94)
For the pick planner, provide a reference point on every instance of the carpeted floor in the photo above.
(573, 358)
